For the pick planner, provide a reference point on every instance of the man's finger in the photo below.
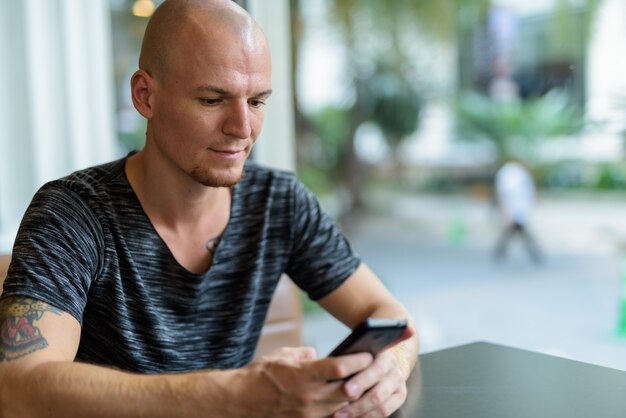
(383, 367)
(381, 404)
(340, 367)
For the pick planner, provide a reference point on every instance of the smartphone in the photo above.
(371, 336)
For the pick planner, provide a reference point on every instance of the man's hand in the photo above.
(293, 383)
(377, 391)
(380, 389)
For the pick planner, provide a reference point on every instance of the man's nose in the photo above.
(237, 121)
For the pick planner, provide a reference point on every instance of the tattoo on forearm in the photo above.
(19, 334)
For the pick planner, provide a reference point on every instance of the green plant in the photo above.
(395, 103)
(514, 127)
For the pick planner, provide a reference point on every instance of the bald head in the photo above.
(179, 22)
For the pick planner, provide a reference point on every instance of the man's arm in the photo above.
(362, 296)
(38, 378)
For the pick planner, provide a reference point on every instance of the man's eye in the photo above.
(209, 102)
(257, 103)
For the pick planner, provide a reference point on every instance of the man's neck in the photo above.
(170, 197)
(189, 217)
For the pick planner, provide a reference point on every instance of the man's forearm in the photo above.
(64, 389)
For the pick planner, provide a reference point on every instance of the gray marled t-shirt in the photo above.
(87, 247)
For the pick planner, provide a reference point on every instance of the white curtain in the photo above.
(276, 146)
(56, 97)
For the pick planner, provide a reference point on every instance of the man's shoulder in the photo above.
(93, 177)
(91, 181)
(101, 173)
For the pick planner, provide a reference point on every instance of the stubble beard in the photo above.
(224, 176)
(208, 179)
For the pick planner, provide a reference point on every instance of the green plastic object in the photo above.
(457, 231)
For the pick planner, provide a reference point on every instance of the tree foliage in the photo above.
(515, 126)
(382, 41)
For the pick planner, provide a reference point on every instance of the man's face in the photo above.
(208, 107)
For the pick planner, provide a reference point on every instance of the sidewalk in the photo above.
(434, 255)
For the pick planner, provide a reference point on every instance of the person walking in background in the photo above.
(515, 197)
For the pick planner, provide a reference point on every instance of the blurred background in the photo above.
(398, 115)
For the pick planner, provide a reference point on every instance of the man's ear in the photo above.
(142, 91)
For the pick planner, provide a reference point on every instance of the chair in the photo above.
(5, 259)
(284, 319)
(283, 324)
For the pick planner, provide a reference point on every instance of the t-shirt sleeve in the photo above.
(322, 258)
(56, 251)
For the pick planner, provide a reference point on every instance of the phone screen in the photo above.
(371, 336)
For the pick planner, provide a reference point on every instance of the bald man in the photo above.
(140, 287)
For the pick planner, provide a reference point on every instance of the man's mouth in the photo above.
(229, 153)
